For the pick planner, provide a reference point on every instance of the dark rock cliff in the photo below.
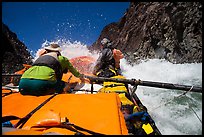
(15, 53)
(169, 30)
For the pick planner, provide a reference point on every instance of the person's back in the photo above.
(44, 77)
(44, 68)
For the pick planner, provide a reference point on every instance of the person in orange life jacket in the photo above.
(44, 77)
(118, 55)
(107, 65)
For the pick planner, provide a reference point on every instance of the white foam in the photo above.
(173, 115)
(69, 49)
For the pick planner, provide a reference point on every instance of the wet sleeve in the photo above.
(73, 70)
(67, 65)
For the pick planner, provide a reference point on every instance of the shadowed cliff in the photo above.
(15, 53)
(169, 30)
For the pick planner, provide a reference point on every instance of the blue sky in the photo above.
(35, 22)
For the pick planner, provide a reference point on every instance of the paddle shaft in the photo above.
(139, 82)
(148, 83)
(11, 75)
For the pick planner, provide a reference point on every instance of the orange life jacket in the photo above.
(117, 54)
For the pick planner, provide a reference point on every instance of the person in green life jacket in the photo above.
(44, 77)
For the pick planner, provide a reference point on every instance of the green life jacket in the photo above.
(51, 62)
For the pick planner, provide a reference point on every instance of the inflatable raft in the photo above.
(92, 108)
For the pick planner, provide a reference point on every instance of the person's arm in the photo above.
(67, 65)
(73, 70)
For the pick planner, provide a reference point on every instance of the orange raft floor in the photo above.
(96, 112)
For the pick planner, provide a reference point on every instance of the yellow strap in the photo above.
(147, 128)
(109, 69)
(98, 73)
(113, 71)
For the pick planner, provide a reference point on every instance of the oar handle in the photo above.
(147, 83)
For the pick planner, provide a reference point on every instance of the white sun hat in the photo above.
(53, 47)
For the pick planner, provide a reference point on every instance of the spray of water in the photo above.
(69, 49)
(173, 114)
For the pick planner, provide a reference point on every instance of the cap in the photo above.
(105, 41)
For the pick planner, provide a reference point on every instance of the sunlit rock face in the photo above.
(169, 30)
(15, 53)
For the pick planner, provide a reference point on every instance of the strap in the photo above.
(8, 93)
(72, 127)
(114, 85)
(23, 120)
(112, 70)
(9, 118)
(107, 72)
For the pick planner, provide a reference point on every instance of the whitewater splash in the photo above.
(69, 49)
(172, 113)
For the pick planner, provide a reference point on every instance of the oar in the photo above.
(147, 83)
(10, 75)
(139, 82)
